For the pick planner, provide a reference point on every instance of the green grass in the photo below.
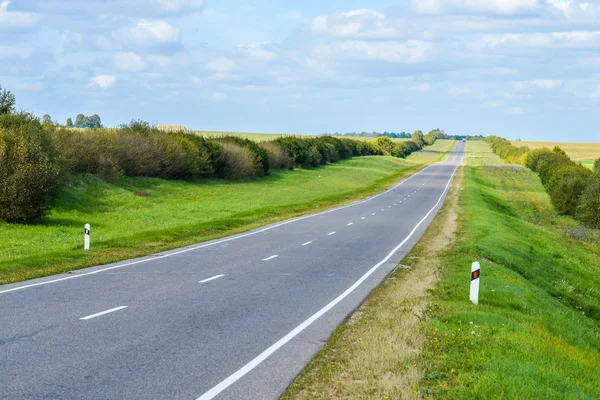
(588, 163)
(536, 332)
(138, 216)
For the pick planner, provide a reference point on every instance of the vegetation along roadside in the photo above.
(534, 334)
(132, 189)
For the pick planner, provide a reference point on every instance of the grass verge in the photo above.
(536, 332)
(534, 335)
(133, 217)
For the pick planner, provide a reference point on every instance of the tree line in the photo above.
(573, 189)
(37, 157)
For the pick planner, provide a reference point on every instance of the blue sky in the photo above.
(526, 69)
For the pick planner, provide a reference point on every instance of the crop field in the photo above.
(257, 137)
(265, 137)
(138, 216)
(586, 153)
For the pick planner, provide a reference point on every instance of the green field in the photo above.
(534, 335)
(139, 216)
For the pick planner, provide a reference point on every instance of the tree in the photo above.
(70, 123)
(80, 121)
(94, 121)
(47, 119)
(29, 169)
(88, 122)
(7, 102)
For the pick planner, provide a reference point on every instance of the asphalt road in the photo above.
(236, 318)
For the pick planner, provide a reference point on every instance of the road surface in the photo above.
(236, 318)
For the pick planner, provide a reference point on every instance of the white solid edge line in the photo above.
(211, 279)
(102, 313)
(270, 258)
(307, 243)
(228, 239)
(216, 390)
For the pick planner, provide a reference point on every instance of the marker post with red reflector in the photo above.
(86, 237)
(475, 275)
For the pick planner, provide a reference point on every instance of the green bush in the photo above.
(588, 208)
(29, 171)
(570, 186)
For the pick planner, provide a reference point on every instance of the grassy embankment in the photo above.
(535, 333)
(138, 216)
(585, 153)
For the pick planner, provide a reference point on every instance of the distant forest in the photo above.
(440, 134)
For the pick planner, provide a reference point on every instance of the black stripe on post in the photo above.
(475, 274)
(86, 231)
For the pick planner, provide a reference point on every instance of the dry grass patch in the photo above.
(374, 354)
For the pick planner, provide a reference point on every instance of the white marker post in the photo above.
(86, 237)
(475, 275)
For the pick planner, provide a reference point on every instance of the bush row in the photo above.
(35, 158)
(573, 189)
(405, 148)
(312, 152)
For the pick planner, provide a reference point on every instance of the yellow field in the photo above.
(257, 137)
(265, 137)
(586, 153)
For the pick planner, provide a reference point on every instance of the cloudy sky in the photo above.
(525, 69)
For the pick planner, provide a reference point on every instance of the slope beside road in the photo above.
(234, 318)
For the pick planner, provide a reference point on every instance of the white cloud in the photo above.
(502, 7)
(545, 84)
(219, 97)
(409, 52)
(197, 82)
(258, 52)
(179, 6)
(596, 92)
(513, 41)
(460, 90)
(102, 81)
(147, 33)
(15, 20)
(361, 24)
(20, 52)
(128, 61)
(159, 61)
(221, 65)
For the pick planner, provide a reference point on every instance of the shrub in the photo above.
(29, 171)
(87, 152)
(238, 162)
(261, 157)
(386, 144)
(278, 157)
(588, 208)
